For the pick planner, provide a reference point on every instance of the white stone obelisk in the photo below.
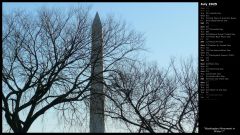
(97, 99)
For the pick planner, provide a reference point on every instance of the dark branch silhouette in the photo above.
(152, 100)
(46, 62)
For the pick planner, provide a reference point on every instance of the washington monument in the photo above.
(97, 99)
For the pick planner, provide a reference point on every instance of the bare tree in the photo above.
(46, 62)
(152, 100)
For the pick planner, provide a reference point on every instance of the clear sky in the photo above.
(171, 29)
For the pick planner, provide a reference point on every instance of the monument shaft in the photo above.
(97, 98)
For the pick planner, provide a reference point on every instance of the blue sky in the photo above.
(171, 29)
